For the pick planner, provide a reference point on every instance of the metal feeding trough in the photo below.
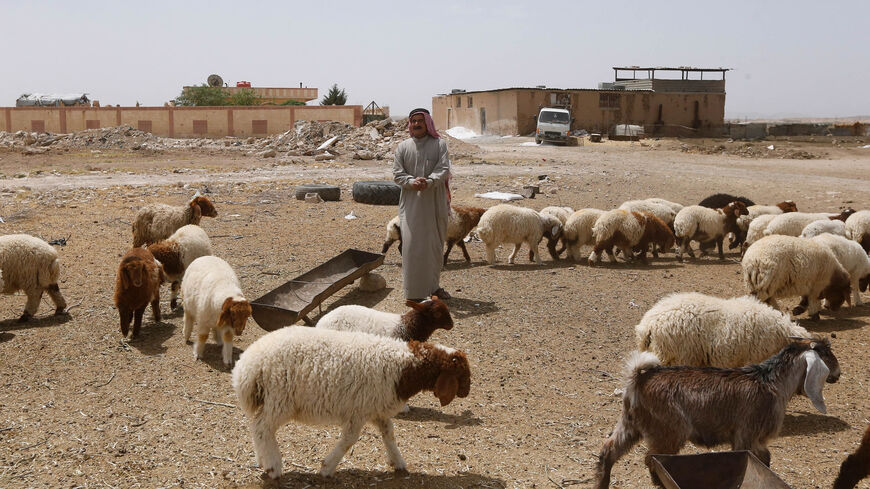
(293, 300)
(715, 470)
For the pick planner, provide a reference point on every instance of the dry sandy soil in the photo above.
(79, 407)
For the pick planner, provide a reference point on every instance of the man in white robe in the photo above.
(422, 168)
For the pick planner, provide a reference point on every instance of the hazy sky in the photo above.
(789, 57)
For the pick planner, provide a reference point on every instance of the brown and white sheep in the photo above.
(704, 225)
(629, 231)
(155, 222)
(30, 264)
(137, 285)
(177, 252)
(462, 219)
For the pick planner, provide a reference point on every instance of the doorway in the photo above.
(482, 121)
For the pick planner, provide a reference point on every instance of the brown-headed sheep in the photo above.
(137, 285)
(155, 222)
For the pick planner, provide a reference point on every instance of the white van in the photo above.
(553, 125)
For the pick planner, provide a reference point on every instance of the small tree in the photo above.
(245, 96)
(202, 96)
(335, 96)
(292, 102)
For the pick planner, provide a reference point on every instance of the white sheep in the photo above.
(177, 252)
(783, 266)
(706, 331)
(578, 231)
(822, 226)
(793, 223)
(853, 258)
(706, 225)
(154, 222)
(515, 225)
(30, 264)
(213, 301)
(417, 324)
(664, 212)
(560, 213)
(323, 377)
(619, 228)
(755, 211)
(858, 228)
(673, 205)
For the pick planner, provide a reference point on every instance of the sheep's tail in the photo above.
(249, 389)
(637, 363)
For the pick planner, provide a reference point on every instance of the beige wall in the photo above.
(175, 121)
(511, 112)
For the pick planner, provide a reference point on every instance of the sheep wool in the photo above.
(664, 212)
(673, 205)
(822, 226)
(213, 301)
(704, 331)
(178, 251)
(619, 228)
(858, 228)
(703, 224)
(155, 222)
(510, 224)
(560, 213)
(793, 223)
(853, 258)
(756, 228)
(31, 265)
(578, 231)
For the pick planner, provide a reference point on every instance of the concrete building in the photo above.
(688, 106)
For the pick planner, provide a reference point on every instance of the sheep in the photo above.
(821, 226)
(858, 228)
(506, 223)
(756, 230)
(562, 214)
(718, 201)
(323, 377)
(578, 231)
(793, 223)
(782, 266)
(137, 285)
(627, 231)
(213, 301)
(854, 260)
(673, 205)
(856, 466)
(667, 406)
(417, 324)
(755, 211)
(460, 222)
(705, 331)
(158, 221)
(656, 207)
(31, 265)
(177, 252)
(702, 224)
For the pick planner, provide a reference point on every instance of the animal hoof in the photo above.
(173, 304)
(25, 317)
(60, 311)
(798, 310)
(814, 317)
(401, 470)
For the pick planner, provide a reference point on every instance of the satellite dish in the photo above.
(215, 81)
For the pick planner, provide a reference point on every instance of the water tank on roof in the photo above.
(243, 84)
(457, 90)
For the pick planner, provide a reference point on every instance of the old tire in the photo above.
(376, 192)
(326, 192)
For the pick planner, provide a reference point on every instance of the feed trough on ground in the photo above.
(292, 301)
(715, 470)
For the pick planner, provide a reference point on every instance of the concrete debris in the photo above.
(269, 153)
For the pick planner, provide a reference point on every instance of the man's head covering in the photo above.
(430, 124)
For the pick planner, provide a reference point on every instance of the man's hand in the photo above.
(420, 183)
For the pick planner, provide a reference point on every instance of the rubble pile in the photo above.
(748, 150)
(323, 140)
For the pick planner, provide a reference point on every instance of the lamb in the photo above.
(628, 231)
(856, 466)
(793, 223)
(177, 252)
(417, 324)
(30, 264)
(213, 301)
(858, 228)
(782, 266)
(822, 226)
(702, 224)
(854, 260)
(705, 331)
(578, 231)
(318, 376)
(506, 223)
(158, 221)
(667, 406)
(718, 201)
(460, 222)
(137, 285)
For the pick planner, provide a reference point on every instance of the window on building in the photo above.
(92, 124)
(259, 127)
(469, 103)
(608, 100)
(200, 127)
(144, 126)
(459, 101)
(37, 126)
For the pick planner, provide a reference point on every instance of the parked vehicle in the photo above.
(553, 125)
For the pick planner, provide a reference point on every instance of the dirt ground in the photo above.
(79, 407)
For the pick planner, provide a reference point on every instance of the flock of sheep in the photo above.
(699, 357)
